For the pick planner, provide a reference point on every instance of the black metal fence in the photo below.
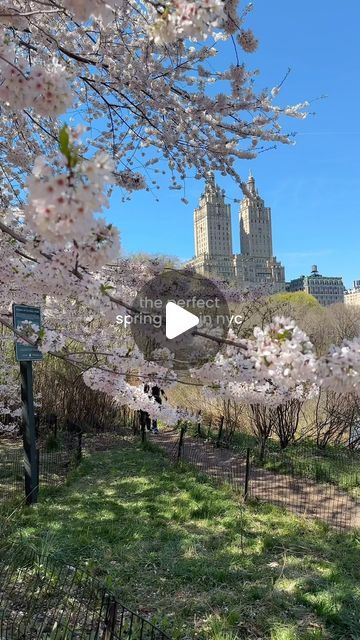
(55, 460)
(308, 484)
(339, 467)
(46, 599)
(334, 465)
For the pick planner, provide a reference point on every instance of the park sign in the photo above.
(24, 315)
(354, 439)
(21, 314)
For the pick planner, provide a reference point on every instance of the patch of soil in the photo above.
(93, 442)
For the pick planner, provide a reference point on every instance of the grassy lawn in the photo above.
(334, 465)
(176, 547)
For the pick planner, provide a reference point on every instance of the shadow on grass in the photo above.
(174, 546)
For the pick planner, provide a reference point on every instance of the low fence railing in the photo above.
(301, 485)
(333, 465)
(42, 598)
(53, 464)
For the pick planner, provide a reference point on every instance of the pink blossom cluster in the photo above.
(51, 341)
(179, 19)
(247, 40)
(63, 201)
(130, 180)
(134, 397)
(278, 364)
(284, 351)
(340, 369)
(46, 90)
(84, 10)
(9, 392)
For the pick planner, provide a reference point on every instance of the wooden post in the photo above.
(247, 475)
(29, 435)
(181, 442)
(221, 424)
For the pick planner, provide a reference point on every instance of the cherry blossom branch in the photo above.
(13, 234)
(86, 367)
(118, 301)
(232, 343)
(27, 14)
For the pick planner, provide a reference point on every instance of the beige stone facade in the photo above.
(352, 296)
(213, 236)
(255, 265)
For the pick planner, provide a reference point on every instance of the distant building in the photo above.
(213, 236)
(255, 265)
(352, 296)
(326, 289)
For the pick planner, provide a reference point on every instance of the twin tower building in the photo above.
(255, 265)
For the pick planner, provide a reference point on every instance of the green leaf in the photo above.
(64, 141)
(106, 287)
(66, 148)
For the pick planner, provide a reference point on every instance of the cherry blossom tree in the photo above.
(97, 97)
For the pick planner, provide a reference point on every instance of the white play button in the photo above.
(178, 320)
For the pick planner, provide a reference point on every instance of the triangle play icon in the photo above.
(178, 320)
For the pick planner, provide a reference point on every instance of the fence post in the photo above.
(199, 424)
(247, 475)
(29, 436)
(181, 443)
(110, 618)
(37, 424)
(221, 424)
(38, 468)
(79, 448)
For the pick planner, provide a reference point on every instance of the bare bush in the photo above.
(233, 414)
(63, 393)
(333, 417)
(285, 420)
(261, 420)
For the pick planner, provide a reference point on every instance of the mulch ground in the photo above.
(303, 497)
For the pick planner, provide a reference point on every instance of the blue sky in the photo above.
(313, 187)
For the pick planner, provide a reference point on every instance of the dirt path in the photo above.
(303, 497)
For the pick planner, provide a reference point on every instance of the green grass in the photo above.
(330, 465)
(174, 546)
(334, 465)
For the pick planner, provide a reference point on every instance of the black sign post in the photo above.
(25, 354)
(29, 436)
